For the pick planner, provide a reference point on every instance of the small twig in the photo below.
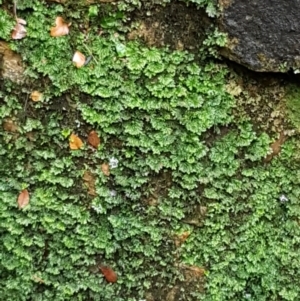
(90, 53)
(15, 9)
(25, 106)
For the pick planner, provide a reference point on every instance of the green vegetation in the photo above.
(293, 104)
(167, 130)
(6, 24)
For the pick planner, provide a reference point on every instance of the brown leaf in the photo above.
(75, 142)
(180, 239)
(78, 59)
(19, 31)
(93, 139)
(89, 179)
(36, 96)
(105, 169)
(23, 199)
(276, 147)
(192, 271)
(109, 274)
(61, 28)
(9, 126)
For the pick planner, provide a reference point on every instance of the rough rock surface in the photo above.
(264, 35)
(10, 64)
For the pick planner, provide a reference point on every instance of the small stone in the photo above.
(11, 64)
(113, 162)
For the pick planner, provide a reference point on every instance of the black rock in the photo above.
(264, 35)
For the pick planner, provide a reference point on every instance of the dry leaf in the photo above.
(36, 96)
(109, 274)
(276, 147)
(19, 31)
(61, 28)
(9, 126)
(197, 270)
(78, 59)
(23, 199)
(105, 169)
(192, 272)
(89, 179)
(93, 139)
(180, 239)
(75, 142)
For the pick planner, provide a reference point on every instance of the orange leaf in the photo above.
(75, 142)
(19, 31)
(23, 199)
(105, 169)
(93, 139)
(109, 274)
(36, 96)
(78, 59)
(61, 28)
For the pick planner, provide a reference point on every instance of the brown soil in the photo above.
(176, 25)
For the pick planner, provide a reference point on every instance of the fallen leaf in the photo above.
(192, 272)
(276, 147)
(36, 96)
(89, 179)
(19, 31)
(180, 239)
(93, 139)
(23, 199)
(197, 270)
(109, 274)
(21, 21)
(61, 28)
(9, 126)
(78, 59)
(75, 142)
(105, 169)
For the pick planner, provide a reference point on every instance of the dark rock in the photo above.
(264, 35)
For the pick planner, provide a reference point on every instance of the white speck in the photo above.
(283, 198)
(77, 122)
(96, 208)
(112, 193)
(113, 162)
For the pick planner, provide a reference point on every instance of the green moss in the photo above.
(6, 24)
(293, 104)
(165, 120)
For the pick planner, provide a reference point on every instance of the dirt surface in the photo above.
(175, 25)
